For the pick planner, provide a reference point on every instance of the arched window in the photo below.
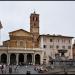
(35, 18)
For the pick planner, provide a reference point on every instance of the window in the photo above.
(44, 46)
(33, 18)
(58, 40)
(21, 43)
(63, 40)
(69, 47)
(51, 40)
(36, 19)
(63, 47)
(57, 46)
(69, 41)
(62, 54)
(18, 43)
(34, 24)
(51, 46)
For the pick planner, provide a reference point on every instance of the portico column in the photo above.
(8, 58)
(33, 59)
(25, 58)
(17, 59)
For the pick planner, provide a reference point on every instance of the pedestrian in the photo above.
(10, 69)
(2, 67)
(26, 66)
(16, 68)
(28, 73)
(52, 67)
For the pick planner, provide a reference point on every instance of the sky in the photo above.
(56, 17)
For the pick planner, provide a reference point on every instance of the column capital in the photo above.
(33, 59)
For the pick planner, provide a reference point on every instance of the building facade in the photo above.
(73, 50)
(56, 44)
(31, 47)
(23, 46)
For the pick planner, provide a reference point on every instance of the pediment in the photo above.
(20, 32)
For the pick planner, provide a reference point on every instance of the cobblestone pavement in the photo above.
(24, 69)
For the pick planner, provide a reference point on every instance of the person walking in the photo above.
(28, 73)
(16, 68)
(10, 69)
(2, 67)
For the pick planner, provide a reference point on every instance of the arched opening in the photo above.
(12, 59)
(37, 59)
(29, 58)
(4, 58)
(21, 58)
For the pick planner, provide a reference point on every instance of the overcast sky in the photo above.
(56, 17)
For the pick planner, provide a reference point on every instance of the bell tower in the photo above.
(34, 25)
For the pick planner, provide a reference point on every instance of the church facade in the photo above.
(25, 47)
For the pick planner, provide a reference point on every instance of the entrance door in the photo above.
(4, 58)
(21, 58)
(13, 59)
(29, 58)
(37, 59)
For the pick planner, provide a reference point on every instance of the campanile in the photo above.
(34, 25)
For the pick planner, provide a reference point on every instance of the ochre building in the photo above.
(23, 46)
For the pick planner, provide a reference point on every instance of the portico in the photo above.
(21, 55)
